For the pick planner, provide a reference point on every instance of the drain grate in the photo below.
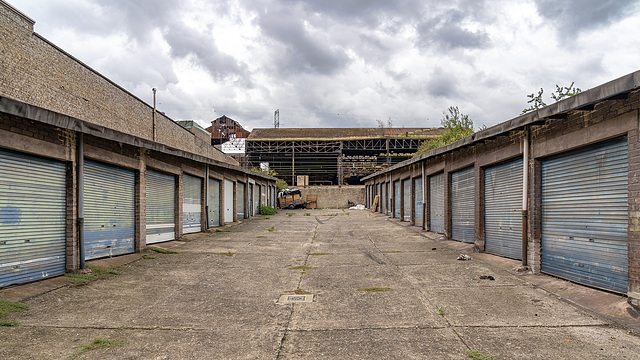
(289, 299)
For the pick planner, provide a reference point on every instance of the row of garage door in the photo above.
(584, 211)
(33, 195)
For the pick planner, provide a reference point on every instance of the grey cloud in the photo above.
(302, 51)
(573, 16)
(441, 84)
(445, 32)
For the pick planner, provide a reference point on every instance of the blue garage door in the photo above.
(585, 215)
(109, 210)
(503, 209)
(32, 218)
(418, 201)
(161, 197)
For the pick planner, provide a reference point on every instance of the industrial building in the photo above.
(333, 156)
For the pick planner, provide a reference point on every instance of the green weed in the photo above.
(271, 229)
(9, 323)
(161, 250)
(374, 289)
(307, 214)
(319, 254)
(301, 267)
(440, 310)
(7, 307)
(147, 256)
(477, 355)
(228, 253)
(97, 343)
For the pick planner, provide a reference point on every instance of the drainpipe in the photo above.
(206, 196)
(80, 169)
(424, 198)
(525, 198)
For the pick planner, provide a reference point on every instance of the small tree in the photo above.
(456, 126)
(561, 92)
(281, 185)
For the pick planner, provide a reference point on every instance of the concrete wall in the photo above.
(336, 197)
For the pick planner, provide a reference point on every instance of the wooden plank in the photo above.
(374, 208)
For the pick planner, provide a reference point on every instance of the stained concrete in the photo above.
(203, 304)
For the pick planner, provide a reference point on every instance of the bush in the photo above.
(266, 209)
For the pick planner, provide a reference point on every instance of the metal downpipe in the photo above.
(80, 169)
(525, 196)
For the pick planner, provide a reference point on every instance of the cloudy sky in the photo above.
(344, 63)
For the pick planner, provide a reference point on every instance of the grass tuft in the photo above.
(228, 253)
(260, 236)
(97, 343)
(9, 323)
(7, 307)
(79, 279)
(301, 267)
(290, 214)
(271, 229)
(392, 252)
(374, 289)
(320, 254)
(98, 270)
(307, 214)
(220, 230)
(161, 250)
(147, 256)
(299, 291)
(440, 310)
(477, 355)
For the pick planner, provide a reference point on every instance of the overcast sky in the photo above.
(344, 63)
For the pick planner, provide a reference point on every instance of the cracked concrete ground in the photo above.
(218, 299)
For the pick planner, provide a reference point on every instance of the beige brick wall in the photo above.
(36, 72)
(335, 196)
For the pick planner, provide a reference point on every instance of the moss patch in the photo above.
(97, 343)
(9, 323)
(161, 250)
(271, 229)
(219, 230)
(374, 289)
(477, 355)
(319, 254)
(147, 256)
(228, 253)
(301, 267)
(7, 307)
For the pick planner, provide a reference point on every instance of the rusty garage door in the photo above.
(436, 203)
(109, 210)
(161, 197)
(585, 215)
(462, 205)
(32, 218)
(191, 204)
(503, 209)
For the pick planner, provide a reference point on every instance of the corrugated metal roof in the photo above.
(338, 133)
(606, 91)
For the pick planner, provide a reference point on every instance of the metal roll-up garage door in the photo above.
(240, 204)
(585, 215)
(396, 196)
(389, 191)
(214, 202)
(228, 201)
(109, 210)
(436, 203)
(418, 201)
(161, 219)
(503, 209)
(462, 205)
(406, 200)
(32, 218)
(191, 204)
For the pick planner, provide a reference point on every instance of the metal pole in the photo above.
(154, 113)
(525, 194)
(80, 169)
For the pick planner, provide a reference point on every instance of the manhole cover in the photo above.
(289, 299)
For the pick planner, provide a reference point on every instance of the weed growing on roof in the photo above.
(7, 307)
(161, 250)
(97, 343)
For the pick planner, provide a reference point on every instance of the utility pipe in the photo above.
(80, 169)
(154, 113)
(206, 196)
(424, 198)
(525, 195)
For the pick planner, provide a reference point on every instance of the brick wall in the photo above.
(336, 197)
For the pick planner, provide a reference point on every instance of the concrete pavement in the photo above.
(380, 289)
